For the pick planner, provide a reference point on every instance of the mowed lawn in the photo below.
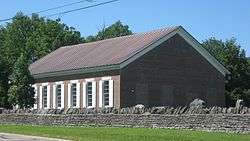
(121, 134)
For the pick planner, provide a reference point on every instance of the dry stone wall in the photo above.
(209, 119)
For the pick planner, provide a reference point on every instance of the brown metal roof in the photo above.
(100, 53)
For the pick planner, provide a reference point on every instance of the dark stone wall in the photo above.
(208, 122)
(172, 74)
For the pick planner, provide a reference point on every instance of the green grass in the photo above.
(121, 134)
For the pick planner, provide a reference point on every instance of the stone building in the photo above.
(157, 68)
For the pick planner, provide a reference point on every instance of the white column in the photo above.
(77, 95)
(84, 102)
(35, 96)
(54, 97)
(100, 93)
(48, 97)
(94, 94)
(41, 97)
(111, 93)
(62, 95)
(69, 95)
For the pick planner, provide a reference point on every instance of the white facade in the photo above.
(75, 94)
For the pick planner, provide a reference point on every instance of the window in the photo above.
(89, 93)
(73, 94)
(45, 98)
(106, 93)
(59, 95)
(35, 96)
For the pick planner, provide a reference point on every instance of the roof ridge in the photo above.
(134, 34)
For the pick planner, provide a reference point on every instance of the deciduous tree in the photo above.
(233, 57)
(21, 92)
(115, 30)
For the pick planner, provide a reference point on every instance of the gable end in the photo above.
(190, 40)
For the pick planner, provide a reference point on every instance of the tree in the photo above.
(3, 84)
(21, 92)
(91, 38)
(36, 36)
(230, 54)
(3, 74)
(49, 35)
(115, 30)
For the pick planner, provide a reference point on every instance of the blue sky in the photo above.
(222, 19)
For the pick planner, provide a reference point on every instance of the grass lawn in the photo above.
(121, 134)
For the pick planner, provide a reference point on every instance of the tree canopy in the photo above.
(115, 30)
(23, 41)
(230, 54)
(36, 36)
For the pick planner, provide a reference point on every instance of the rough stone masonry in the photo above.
(198, 118)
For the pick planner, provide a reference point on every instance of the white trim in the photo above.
(41, 97)
(93, 95)
(55, 102)
(111, 93)
(74, 81)
(45, 84)
(48, 97)
(92, 80)
(62, 96)
(35, 96)
(59, 82)
(106, 78)
(77, 82)
(77, 95)
(84, 101)
(89, 79)
(191, 40)
(100, 94)
(69, 95)
(54, 96)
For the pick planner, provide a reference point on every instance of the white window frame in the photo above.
(35, 96)
(111, 92)
(77, 94)
(85, 95)
(55, 102)
(48, 96)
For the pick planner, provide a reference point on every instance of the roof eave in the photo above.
(77, 71)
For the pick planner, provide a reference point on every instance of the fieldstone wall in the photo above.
(209, 119)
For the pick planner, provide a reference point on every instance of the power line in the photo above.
(58, 7)
(73, 10)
